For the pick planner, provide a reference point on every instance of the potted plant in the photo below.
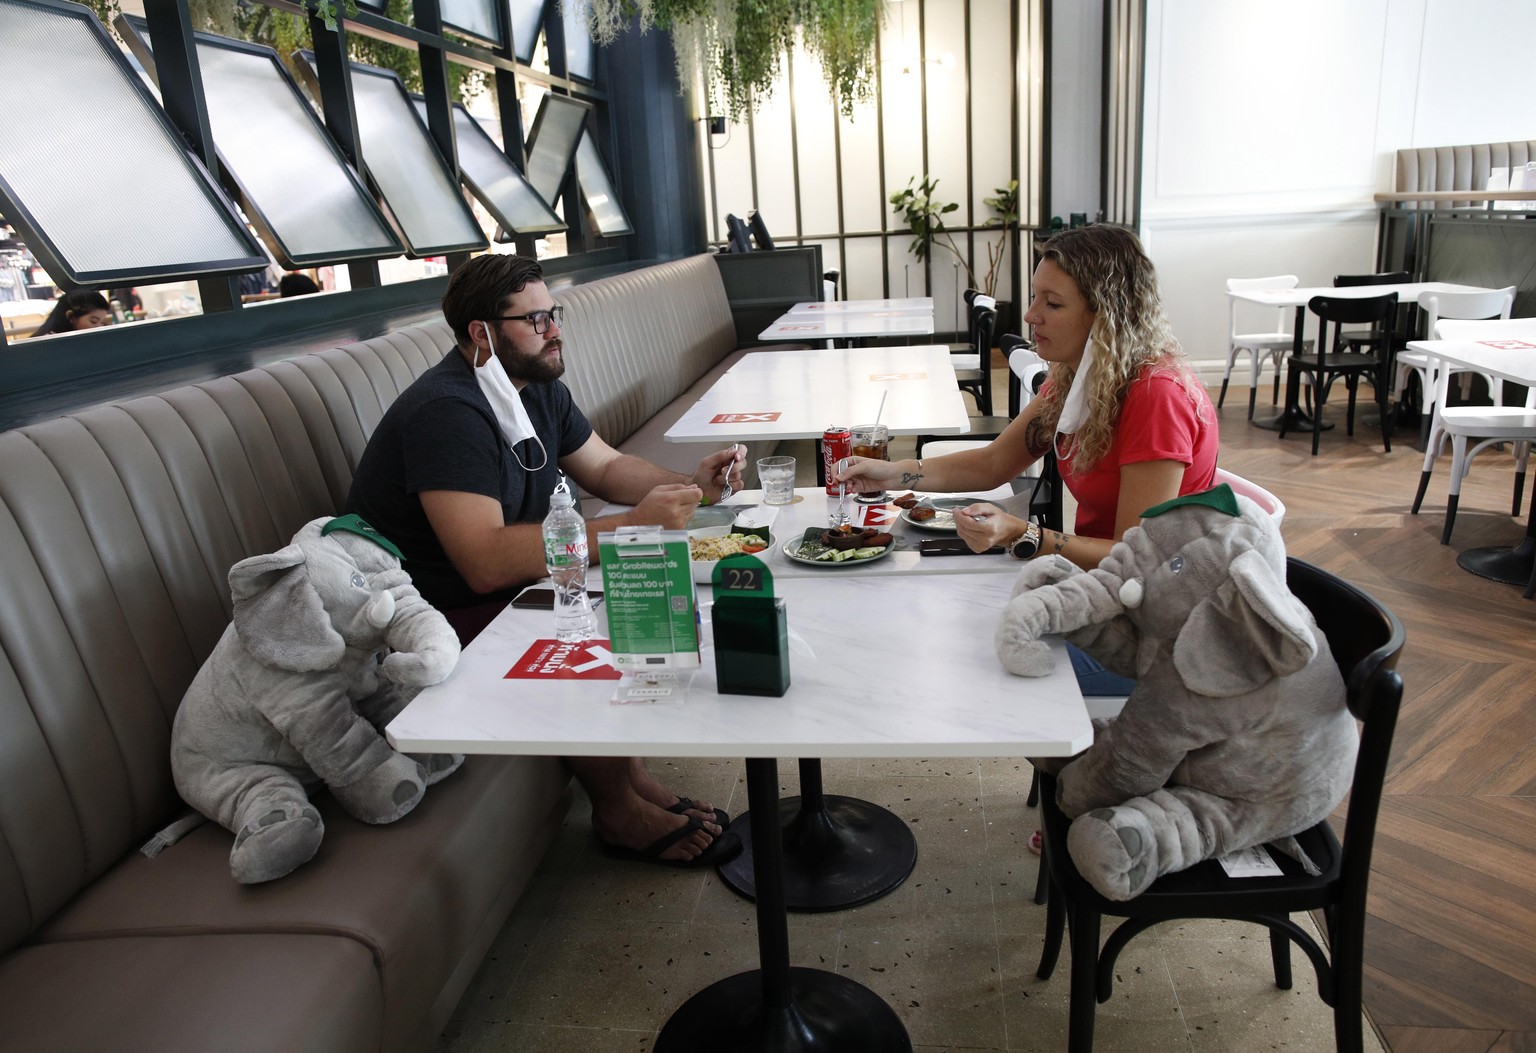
(1006, 205)
(924, 216)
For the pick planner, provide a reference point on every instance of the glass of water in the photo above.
(777, 477)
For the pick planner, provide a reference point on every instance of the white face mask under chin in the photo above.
(507, 404)
(1074, 408)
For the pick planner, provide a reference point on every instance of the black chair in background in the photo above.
(739, 239)
(1332, 362)
(1366, 639)
(759, 231)
(1395, 334)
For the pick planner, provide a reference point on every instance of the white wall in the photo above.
(1269, 126)
(1077, 57)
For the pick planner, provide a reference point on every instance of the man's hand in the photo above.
(710, 478)
(670, 505)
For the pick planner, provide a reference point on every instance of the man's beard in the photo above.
(538, 369)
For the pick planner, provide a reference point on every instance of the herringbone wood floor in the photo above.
(1451, 939)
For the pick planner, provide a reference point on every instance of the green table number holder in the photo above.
(750, 628)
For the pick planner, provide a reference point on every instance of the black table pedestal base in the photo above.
(1299, 423)
(827, 1012)
(1512, 566)
(839, 852)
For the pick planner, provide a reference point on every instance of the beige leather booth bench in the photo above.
(118, 525)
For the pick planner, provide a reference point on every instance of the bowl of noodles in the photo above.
(710, 544)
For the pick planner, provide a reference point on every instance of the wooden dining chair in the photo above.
(1449, 305)
(1390, 335)
(1332, 362)
(1272, 345)
(1366, 639)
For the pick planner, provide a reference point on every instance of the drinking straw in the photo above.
(881, 410)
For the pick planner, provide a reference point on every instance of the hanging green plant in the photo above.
(736, 48)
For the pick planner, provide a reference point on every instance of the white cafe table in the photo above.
(879, 667)
(907, 304)
(849, 325)
(1511, 357)
(1407, 293)
(797, 394)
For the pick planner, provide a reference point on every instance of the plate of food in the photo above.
(708, 545)
(933, 513)
(844, 546)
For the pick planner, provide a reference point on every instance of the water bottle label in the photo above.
(565, 553)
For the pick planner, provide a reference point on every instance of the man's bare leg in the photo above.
(622, 816)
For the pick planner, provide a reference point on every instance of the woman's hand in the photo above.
(984, 526)
(866, 473)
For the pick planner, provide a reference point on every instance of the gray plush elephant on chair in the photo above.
(1237, 732)
(329, 641)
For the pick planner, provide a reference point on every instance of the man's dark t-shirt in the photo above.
(441, 434)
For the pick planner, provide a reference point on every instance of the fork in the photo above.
(727, 490)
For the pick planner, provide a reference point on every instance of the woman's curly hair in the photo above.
(1119, 284)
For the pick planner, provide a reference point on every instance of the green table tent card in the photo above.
(649, 597)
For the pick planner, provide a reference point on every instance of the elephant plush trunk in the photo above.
(425, 645)
(1071, 604)
(381, 611)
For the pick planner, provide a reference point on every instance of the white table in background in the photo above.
(908, 304)
(797, 394)
(1407, 293)
(856, 691)
(849, 325)
(1504, 358)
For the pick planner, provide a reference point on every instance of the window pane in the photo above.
(552, 144)
(494, 179)
(579, 52)
(527, 24)
(403, 162)
(597, 188)
(52, 187)
(252, 104)
(474, 17)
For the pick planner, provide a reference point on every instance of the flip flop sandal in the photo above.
(720, 850)
(722, 817)
(1034, 842)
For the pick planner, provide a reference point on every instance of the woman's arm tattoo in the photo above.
(1060, 540)
(1037, 438)
(909, 479)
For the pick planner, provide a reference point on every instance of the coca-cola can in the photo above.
(836, 443)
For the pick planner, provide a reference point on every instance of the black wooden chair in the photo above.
(1366, 639)
(1396, 333)
(1332, 362)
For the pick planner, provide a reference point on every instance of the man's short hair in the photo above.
(479, 289)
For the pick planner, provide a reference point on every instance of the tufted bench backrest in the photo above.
(119, 523)
(1457, 167)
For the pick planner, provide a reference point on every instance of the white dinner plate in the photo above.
(944, 521)
(792, 551)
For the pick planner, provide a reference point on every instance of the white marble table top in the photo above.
(797, 394)
(1509, 355)
(907, 304)
(877, 669)
(1299, 297)
(849, 325)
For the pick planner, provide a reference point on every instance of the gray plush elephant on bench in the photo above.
(1237, 732)
(329, 642)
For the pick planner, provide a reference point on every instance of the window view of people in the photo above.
(459, 475)
(74, 311)
(296, 284)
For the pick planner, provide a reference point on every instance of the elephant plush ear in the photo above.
(1251, 629)
(278, 613)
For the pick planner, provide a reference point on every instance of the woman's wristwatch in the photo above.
(1026, 545)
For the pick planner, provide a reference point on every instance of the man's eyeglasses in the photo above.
(540, 320)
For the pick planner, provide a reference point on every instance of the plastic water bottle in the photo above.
(565, 554)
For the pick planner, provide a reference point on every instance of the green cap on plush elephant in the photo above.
(1237, 732)
(329, 641)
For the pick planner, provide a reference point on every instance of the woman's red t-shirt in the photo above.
(1159, 421)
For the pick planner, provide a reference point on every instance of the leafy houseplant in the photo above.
(1006, 205)
(924, 216)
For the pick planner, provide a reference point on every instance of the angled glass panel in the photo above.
(401, 159)
(580, 55)
(306, 200)
(474, 18)
(597, 189)
(552, 144)
(494, 179)
(53, 183)
(527, 24)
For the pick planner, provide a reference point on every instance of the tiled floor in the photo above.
(598, 953)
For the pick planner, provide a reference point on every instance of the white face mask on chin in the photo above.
(506, 403)
(1074, 408)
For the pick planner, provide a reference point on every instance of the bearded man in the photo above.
(459, 473)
